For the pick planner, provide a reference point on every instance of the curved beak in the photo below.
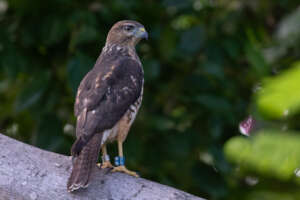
(141, 33)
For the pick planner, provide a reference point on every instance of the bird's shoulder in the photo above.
(111, 71)
(106, 74)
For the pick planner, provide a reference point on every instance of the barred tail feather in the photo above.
(84, 164)
(77, 147)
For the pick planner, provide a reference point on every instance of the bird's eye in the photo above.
(128, 27)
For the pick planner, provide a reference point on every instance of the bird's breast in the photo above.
(121, 129)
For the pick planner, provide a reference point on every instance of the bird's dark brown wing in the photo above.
(105, 96)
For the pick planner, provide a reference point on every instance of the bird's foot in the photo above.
(123, 169)
(106, 164)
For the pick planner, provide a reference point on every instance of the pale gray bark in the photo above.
(29, 173)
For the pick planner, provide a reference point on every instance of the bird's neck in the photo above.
(117, 49)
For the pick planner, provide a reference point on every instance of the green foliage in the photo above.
(271, 195)
(77, 67)
(201, 62)
(272, 155)
(279, 161)
(279, 97)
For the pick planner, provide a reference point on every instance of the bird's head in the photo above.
(126, 33)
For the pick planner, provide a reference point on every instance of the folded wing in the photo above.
(103, 97)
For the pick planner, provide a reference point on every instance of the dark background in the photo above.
(203, 61)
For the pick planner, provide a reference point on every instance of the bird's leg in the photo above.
(120, 162)
(105, 159)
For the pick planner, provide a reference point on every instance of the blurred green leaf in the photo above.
(32, 92)
(167, 43)
(152, 70)
(53, 30)
(83, 35)
(176, 3)
(192, 40)
(12, 61)
(213, 103)
(211, 180)
(269, 153)
(256, 59)
(278, 97)
(272, 195)
(77, 68)
(214, 69)
(49, 133)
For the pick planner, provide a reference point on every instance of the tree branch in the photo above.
(27, 172)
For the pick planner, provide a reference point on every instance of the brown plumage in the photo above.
(107, 100)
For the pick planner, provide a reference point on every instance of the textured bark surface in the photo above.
(29, 173)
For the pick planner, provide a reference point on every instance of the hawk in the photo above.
(107, 101)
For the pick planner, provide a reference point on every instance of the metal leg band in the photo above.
(105, 158)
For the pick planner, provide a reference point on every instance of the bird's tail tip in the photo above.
(76, 186)
(78, 178)
(83, 164)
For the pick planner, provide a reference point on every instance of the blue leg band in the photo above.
(119, 160)
(122, 160)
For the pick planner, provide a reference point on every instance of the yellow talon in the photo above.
(104, 165)
(123, 169)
